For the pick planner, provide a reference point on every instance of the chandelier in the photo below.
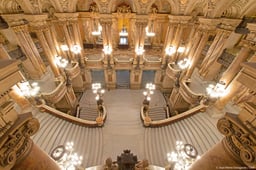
(216, 91)
(150, 87)
(66, 158)
(29, 90)
(61, 62)
(183, 157)
(96, 89)
(183, 64)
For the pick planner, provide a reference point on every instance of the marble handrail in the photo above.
(75, 120)
(74, 70)
(188, 95)
(172, 72)
(57, 94)
(172, 119)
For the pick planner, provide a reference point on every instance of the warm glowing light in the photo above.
(76, 49)
(61, 62)
(96, 87)
(123, 32)
(98, 31)
(216, 91)
(149, 34)
(64, 47)
(140, 50)
(183, 157)
(181, 49)
(170, 50)
(150, 87)
(66, 158)
(29, 90)
(183, 64)
(107, 50)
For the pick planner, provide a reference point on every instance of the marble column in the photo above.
(36, 159)
(194, 59)
(47, 51)
(140, 32)
(3, 53)
(34, 65)
(210, 67)
(106, 24)
(237, 148)
(234, 67)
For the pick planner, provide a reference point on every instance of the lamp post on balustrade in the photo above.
(31, 91)
(96, 87)
(150, 87)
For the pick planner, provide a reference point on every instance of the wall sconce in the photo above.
(60, 62)
(183, 64)
(107, 50)
(140, 50)
(76, 49)
(170, 50)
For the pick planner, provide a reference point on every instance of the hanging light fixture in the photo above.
(150, 87)
(60, 62)
(66, 158)
(183, 64)
(183, 157)
(216, 91)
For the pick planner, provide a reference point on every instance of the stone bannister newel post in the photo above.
(17, 150)
(204, 29)
(34, 64)
(210, 67)
(39, 26)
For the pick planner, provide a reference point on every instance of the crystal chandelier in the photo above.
(61, 62)
(183, 157)
(216, 91)
(66, 158)
(150, 87)
(96, 89)
(29, 90)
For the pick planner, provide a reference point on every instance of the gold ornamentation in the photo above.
(144, 1)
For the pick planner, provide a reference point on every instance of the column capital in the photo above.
(36, 20)
(208, 24)
(229, 24)
(16, 144)
(14, 19)
(179, 19)
(67, 16)
(239, 137)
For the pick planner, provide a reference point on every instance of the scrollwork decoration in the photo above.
(225, 127)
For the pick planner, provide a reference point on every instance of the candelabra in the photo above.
(184, 156)
(96, 87)
(150, 87)
(66, 158)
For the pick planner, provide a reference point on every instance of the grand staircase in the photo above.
(88, 113)
(88, 142)
(193, 130)
(124, 130)
(157, 113)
